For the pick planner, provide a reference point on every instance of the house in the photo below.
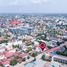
(2, 49)
(2, 56)
(9, 54)
(21, 30)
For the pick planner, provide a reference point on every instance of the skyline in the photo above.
(33, 6)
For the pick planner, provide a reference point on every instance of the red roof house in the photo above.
(15, 22)
(9, 54)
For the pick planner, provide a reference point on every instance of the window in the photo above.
(60, 60)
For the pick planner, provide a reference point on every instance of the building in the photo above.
(21, 30)
(59, 61)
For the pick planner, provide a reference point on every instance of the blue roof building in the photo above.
(22, 30)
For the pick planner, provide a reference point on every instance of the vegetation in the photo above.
(29, 49)
(34, 59)
(28, 43)
(43, 57)
(52, 32)
(41, 36)
(23, 59)
(58, 43)
(4, 41)
(65, 48)
(59, 32)
(13, 62)
(49, 47)
(7, 35)
(28, 57)
(1, 65)
(15, 46)
(34, 54)
(64, 53)
(46, 58)
(23, 40)
(17, 57)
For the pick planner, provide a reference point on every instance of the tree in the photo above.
(23, 59)
(58, 52)
(65, 53)
(28, 57)
(1, 65)
(34, 59)
(49, 47)
(34, 54)
(41, 36)
(65, 48)
(58, 43)
(13, 62)
(43, 57)
(15, 46)
(29, 49)
(62, 53)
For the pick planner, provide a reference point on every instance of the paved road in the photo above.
(50, 50)
(56, 48)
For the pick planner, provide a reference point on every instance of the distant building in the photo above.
(21, 30)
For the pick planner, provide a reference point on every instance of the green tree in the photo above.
(29, 49)
(34, 54)
(28, 57)
(13, 62)
(23, 59)
(43, 57)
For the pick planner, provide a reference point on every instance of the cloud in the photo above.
(24, 2)
(45, 6)
(20, 2)
(39, 1)
(10, 2)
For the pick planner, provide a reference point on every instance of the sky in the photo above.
(33, 6)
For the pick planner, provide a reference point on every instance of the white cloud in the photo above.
(35, 1)
(39, 1)
(45, 0)
(9, 2)
(20, 2)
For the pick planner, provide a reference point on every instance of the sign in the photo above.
(42, 46)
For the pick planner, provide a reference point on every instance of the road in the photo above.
(56, 48)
